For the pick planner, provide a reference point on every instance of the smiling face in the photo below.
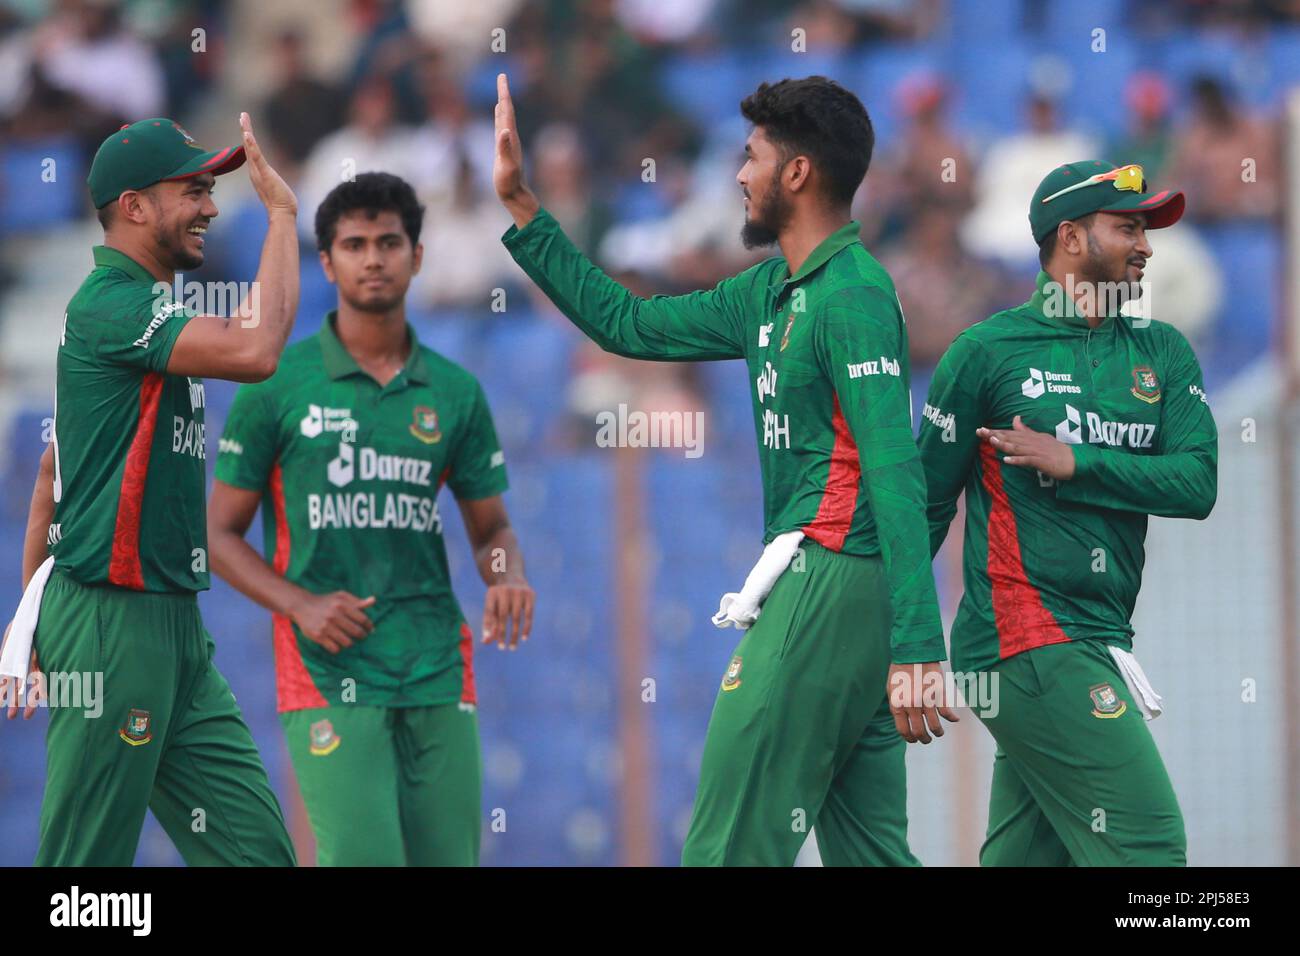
(767, 208)
(1117, 247)
(177, 214)
(371, 260)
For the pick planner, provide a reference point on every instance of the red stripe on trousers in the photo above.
(840, 498)
(1021, 619)
(294, 688)
(467, 693)
(124, 568)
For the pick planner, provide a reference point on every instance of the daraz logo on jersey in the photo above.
(939, 419)
(1100, 432)
(766, 383)
(1056, 383)
(325, 419)
(882, 366)
(373, 466)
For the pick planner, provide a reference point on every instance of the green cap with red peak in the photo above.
(151, 151)
(1075, 190)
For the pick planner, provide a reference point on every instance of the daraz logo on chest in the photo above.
(1040, 382)
(1103, 432)
(374, 466)
(325, 419)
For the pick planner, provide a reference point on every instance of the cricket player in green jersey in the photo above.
(802, 731)
(346, 448)
(119, 504)
(1067, 424)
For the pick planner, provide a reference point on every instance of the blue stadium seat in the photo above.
(31, 201)
(706, 87)
(449, 332)
(1284, 55)
(1243, 330)
(990, 101)
(1245, 67)
(875, 73)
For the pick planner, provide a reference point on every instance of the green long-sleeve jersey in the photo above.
(827, 355)
(1048, 561)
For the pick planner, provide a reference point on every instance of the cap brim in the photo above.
(218, 163)
(1161, 209)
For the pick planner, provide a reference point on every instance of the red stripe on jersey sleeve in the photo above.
(468, 695)
(1021, 619)
(124, 569)
(294, 688)
(840, 496)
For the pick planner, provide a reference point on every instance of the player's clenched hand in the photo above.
(508, 613)
(274, 192)
(1021, 445)
(334, 621)
(508, 164)
(916, 700)
(11, 687)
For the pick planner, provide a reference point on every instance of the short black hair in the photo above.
(821, 119)
(105, 214)
(1048, 245)
(371, 193)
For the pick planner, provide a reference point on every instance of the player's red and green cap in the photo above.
(1075, 190)
(152, 151)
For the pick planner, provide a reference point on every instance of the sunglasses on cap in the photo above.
(1126, 178)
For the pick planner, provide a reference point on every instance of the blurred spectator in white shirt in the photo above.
(84, 49)
(451, 132)
(998, 226)
(372, 141)
(464, 259)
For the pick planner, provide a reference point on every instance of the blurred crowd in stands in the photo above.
(407, 87)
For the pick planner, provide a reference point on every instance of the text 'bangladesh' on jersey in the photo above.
(827, 356)
(1049, 561)
(128, 438)
(350, 474)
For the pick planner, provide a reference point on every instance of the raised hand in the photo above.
(508, 165)
(274, 192)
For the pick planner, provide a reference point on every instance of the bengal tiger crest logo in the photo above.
(1105, 702)
(1145, 384)
(323, 738)
(731, 680)
(425, 425)
(136, 731)
(189, 140)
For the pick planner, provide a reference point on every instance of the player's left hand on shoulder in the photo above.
(508, 613)
(1023, 447)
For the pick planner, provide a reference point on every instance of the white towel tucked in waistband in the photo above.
(17, 655)
(1148, 701)
(741, 610)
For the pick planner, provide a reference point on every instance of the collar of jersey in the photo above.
(339, 362)
(844, 236)
(116, 259)
(1071, 318)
